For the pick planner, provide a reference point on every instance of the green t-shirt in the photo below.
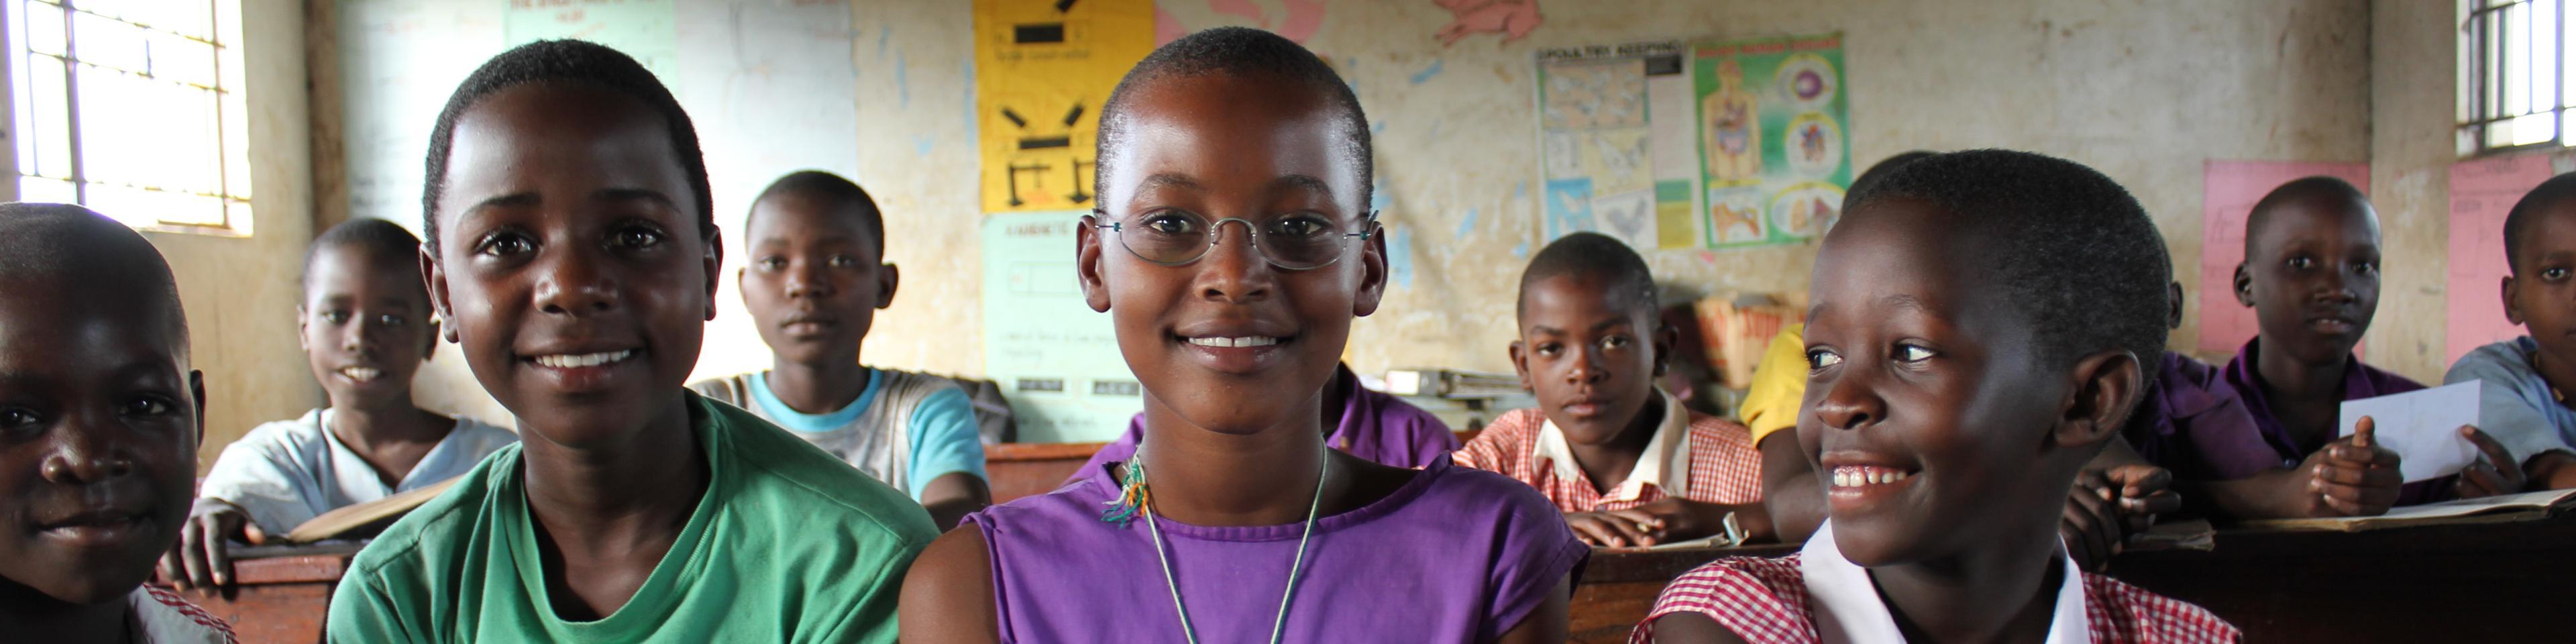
(789, 544)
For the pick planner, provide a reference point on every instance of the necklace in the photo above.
(1142, 504)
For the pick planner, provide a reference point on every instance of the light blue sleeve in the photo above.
(944, 440)
(2507, 408)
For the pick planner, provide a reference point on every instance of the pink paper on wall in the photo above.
(2482, 193)
(2228, 191)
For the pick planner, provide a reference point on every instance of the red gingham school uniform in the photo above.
(1765, 601)
(1724, 467)
(168, 619)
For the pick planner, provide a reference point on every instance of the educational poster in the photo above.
(2228, 191)
(1771, 118)
(1056, 359)
(644, 29)
(1042, 69)
(2483, 191)
(1614, 143)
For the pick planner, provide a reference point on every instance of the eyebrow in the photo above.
(1170, 180)
(1303, 182)
(521, 199)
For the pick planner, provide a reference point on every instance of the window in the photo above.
(2512, 78)
(132, 108)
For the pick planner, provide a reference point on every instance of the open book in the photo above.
(2508, 508)
(364, 519)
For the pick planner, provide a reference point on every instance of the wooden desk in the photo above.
(280, 594)
(2512, 582)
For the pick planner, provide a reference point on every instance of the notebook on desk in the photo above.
(2508, 508)
(364, 519)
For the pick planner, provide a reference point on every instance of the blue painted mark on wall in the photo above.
(1427, 73)
(1379, 198)
(1521, 251)
(1468, 225)
(1377, 128)
(1520, 190)
(967, 107)
(884, 32)
(922, 144)
(902, 81)
(1399, 256)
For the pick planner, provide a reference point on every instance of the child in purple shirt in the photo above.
(1368, 424)
(1236, 519)
(2311, 273)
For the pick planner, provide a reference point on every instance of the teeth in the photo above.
(1859, 476)
(584, 360)
(1257, 341)
(361, 374)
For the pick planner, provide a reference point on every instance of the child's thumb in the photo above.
(252, 533)
(2361, 432)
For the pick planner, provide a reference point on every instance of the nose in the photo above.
(806, 280)
(1847, 403)
(2335, 287)
(1234, 273)
(84, 453)
(571, 281)
(1587, 368)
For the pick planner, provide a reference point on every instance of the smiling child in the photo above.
(1625, 462)
(100, 416)
(365, 328)
(1980, 328)
(572, 249)
(816, 279)
(2521, 403)
(1233, 247)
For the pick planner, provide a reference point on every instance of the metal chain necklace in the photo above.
(1135, 499)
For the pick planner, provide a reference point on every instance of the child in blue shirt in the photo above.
(2521, 404)
(816, 278)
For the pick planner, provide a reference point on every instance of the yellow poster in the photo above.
(1042, 70)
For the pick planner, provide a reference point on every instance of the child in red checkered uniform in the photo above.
(1626, 463)
(1983, 324)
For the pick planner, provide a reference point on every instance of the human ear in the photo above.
(429, 342)
(197, 391)
(301, 320)
(888, 277)
(1372, 271)
(714, 268)
(2106, 389)
(1668, 339)
(1520, 363)
(2244, 285)
(1086, 264)
(2512, 312)
(436, 279)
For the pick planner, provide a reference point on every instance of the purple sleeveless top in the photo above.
(1455, 555)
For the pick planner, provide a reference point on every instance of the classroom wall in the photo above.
(2143, 91)
(2413, 100)
(240, 293)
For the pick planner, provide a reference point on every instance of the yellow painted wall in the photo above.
(2143, 91)
(241, 293)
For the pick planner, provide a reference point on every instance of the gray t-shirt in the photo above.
(286, 472)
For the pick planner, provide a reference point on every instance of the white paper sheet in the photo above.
(2423, 427)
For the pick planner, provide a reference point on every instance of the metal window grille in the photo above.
(132, 108)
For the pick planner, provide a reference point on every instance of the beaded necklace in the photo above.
(1134, 498)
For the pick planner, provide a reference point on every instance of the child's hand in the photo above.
(1609, 530)
(199, 558)
(2494, 473)
(2353, 476)
(1675, 519)
(2106, 506)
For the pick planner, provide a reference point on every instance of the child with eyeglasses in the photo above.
(1234, 519)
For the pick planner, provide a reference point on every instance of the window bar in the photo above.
(2558, 75)
(2476, 76)
(71, 104)
(223, 149)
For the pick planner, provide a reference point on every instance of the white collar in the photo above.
(1848, 609)
(1665, 463)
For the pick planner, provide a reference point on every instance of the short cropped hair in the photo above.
(2527, 211)
(1878, 172)
(573, 62)
(2297, 190)
(64, 242)
(379, 240)
(2069, 247)
(829, 188)
(1239, 52)
(1591, 255)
